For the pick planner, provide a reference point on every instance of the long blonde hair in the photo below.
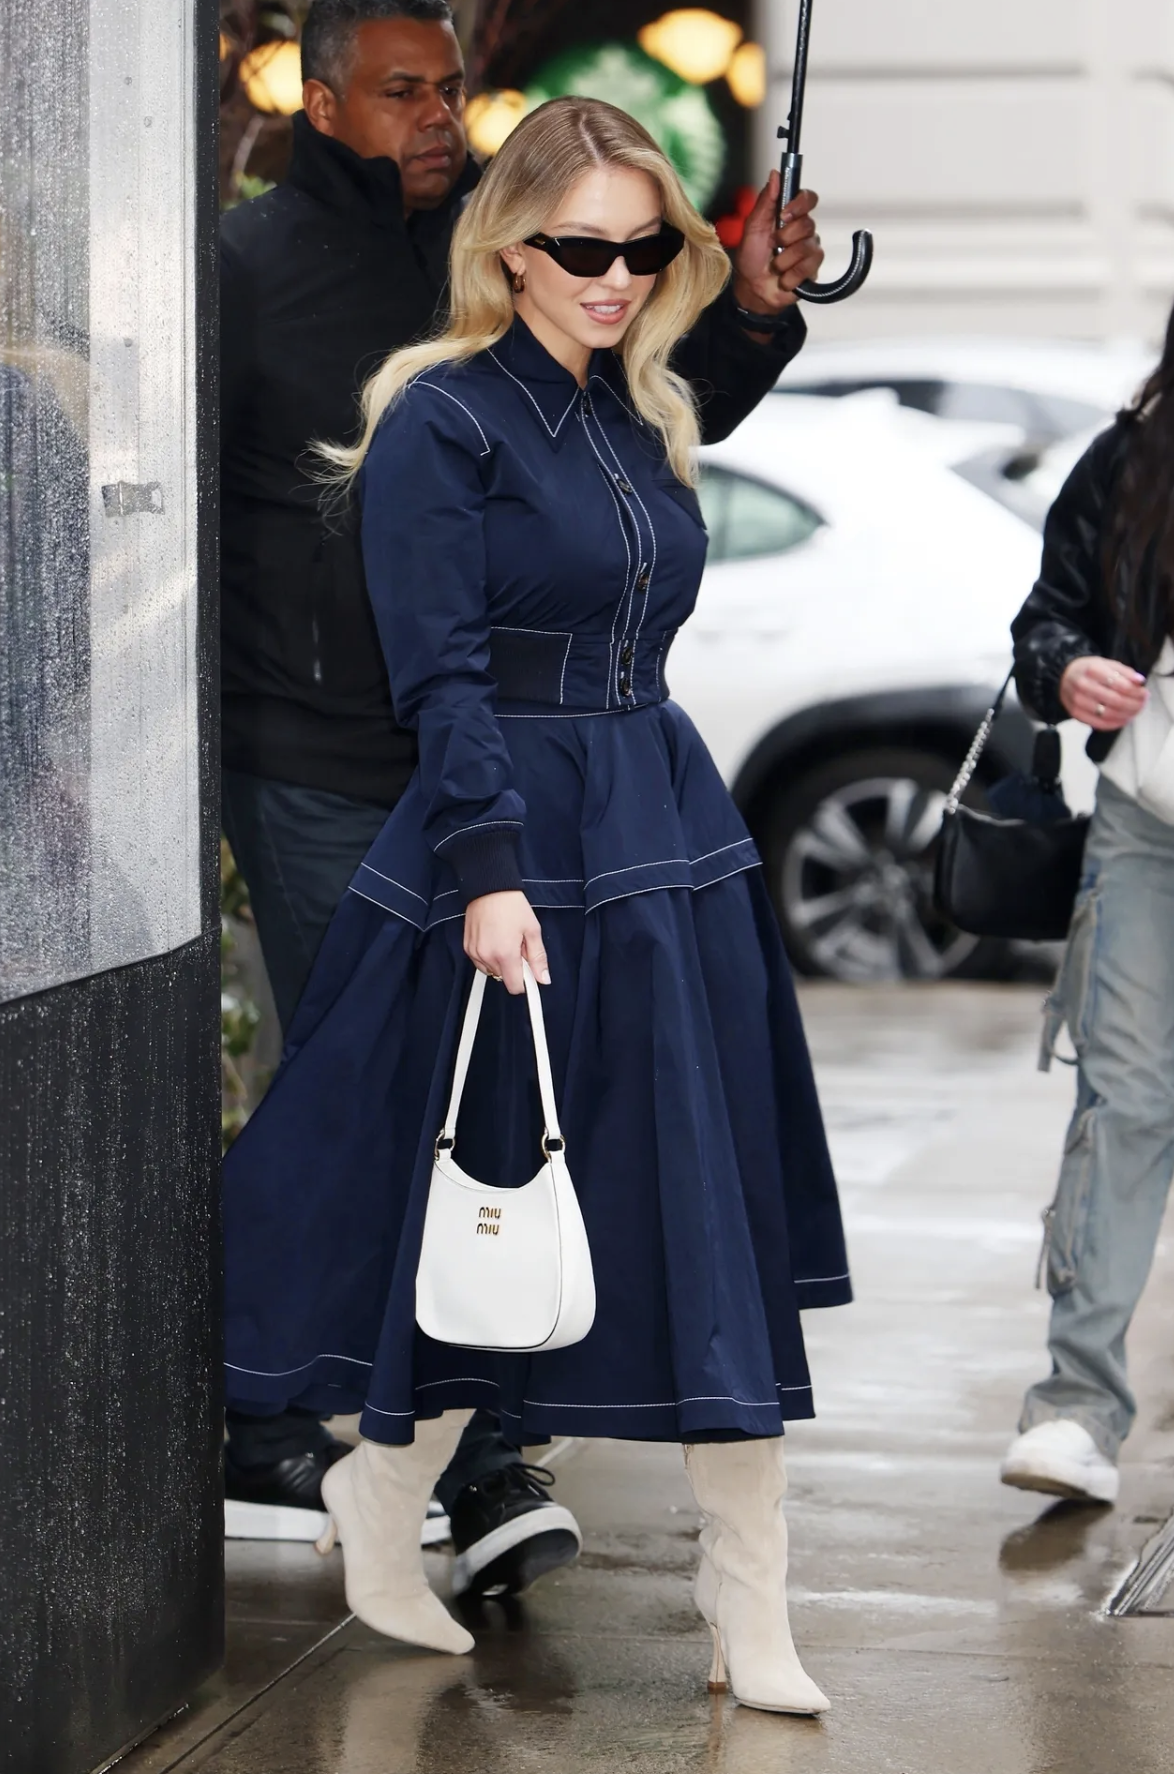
(541, 160)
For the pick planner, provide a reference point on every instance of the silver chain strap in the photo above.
(970, 763)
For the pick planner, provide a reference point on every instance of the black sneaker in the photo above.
(506, 1532)
(278, 1502)
(284, 1501)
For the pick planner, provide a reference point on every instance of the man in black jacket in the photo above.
(321, 279)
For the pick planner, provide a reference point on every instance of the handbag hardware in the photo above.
(973, 757)
(1014, 879)
(505, 1269)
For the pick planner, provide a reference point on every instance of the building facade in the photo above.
(1014, 159)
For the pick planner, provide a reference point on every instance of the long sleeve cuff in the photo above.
(1037, 675)
(485, 860)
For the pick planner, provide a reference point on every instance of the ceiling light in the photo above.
(491, 116)
(694, 43)
(747, 74)
(271, 75)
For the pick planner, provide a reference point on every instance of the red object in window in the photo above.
(730, 229)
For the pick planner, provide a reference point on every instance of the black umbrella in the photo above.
(792, 178)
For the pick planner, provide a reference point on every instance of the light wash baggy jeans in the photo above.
(1116, 995)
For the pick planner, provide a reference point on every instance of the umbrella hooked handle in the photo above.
(791, 179)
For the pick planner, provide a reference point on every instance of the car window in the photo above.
(926, 396)
(1043, 418)
(746, 518)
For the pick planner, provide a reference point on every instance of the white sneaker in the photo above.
(277, 1521)
(1061, 1458)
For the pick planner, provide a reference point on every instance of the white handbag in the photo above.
(504, 1269)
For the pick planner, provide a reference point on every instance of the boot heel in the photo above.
(718, 1682)
(328, 1539)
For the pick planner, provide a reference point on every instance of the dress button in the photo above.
(623, 485)
(587, 407)
(628, 654)
(625, 686)
(643, 582)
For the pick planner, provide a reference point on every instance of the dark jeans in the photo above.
(298, 849)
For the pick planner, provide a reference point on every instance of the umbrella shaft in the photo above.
(799, 80)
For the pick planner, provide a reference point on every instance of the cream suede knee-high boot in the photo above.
(377, 1498)
(741, 1582)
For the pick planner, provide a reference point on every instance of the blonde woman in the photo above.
(532, 541)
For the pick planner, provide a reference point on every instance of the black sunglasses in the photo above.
(585, 256)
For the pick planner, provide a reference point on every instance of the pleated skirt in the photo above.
(693, 1129)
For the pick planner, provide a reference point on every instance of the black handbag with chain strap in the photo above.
(1011, 878)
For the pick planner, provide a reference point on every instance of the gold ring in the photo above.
(1100, 708)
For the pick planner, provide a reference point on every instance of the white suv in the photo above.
(851, 630)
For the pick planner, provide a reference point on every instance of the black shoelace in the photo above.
(519, 1476)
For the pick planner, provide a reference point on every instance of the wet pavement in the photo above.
(957, 1626)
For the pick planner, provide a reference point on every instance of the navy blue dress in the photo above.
(530, 555)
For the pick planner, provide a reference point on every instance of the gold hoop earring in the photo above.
(519, 282)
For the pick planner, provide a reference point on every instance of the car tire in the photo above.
(849, 851)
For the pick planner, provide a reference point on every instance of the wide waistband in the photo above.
(582, 674)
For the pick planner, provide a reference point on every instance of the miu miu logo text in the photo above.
(488, 1221)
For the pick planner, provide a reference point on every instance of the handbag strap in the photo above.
(978, 746)
(552, 1135)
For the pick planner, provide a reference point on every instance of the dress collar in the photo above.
(548, 391)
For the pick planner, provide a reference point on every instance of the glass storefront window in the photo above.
(99, 808)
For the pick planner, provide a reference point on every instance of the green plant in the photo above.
(245, 187)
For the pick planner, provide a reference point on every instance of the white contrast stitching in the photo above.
(663, 861)
(481, 826)
(559, 1404)
(580, 714)
(279, 1373)
(389, 909)
(554, 431)
(630, 577)
(651, 532)
(618, 398)
(607, 481)
(612, 899)
(682, 887)
(457, 1380)
(437, 389)
(814, 1280)
(505, 628)
(537, 1403)
(394, 882)
(562, 682)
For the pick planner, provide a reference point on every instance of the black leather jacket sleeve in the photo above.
(1069, 614)
(730, 372)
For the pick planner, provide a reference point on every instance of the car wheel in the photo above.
(849, 854)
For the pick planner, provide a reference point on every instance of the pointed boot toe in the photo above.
(418, 1619)
(768, 1684)
(377, 1499)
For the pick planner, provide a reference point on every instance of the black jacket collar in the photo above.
(369, 190)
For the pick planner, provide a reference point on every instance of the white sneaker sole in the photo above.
(551, 1519)
(276, 1521)
(271, 1521)
(1064, 1478)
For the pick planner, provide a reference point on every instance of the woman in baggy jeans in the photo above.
(1093, 642)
